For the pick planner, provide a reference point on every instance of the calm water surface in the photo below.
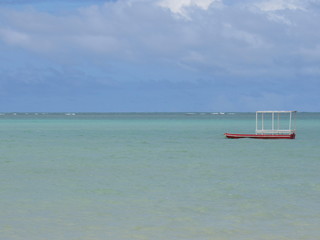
(156, 176)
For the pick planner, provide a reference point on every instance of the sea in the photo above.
(156, 176)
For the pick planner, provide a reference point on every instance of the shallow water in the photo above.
(156, 176)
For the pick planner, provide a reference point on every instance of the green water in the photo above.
(156, 176)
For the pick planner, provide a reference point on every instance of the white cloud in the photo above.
(275, 5)
(253, 40)
(179, 6)
(13, 37)
(275, 9)
(230, 40)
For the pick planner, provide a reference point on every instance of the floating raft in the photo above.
(260, 136)
(274, 130)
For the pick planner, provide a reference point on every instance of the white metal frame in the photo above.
(275, 130)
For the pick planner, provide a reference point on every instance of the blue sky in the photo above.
(159, 55)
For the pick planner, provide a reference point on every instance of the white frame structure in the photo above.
(275, 123)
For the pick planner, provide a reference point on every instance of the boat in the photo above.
(274, 131)
(261, 136)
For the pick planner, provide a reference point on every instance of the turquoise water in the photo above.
(156, 176)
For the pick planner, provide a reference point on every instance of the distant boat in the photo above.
(274, 132)
(261, 136)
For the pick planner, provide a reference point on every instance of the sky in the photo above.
(159, 55)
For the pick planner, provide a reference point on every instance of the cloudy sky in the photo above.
(159, 55)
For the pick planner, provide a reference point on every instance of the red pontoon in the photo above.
(274, 132)
(261, 136)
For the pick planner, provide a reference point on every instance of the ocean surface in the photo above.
(141, 176)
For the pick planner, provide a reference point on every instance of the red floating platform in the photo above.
(261, 136)
(275, 130)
